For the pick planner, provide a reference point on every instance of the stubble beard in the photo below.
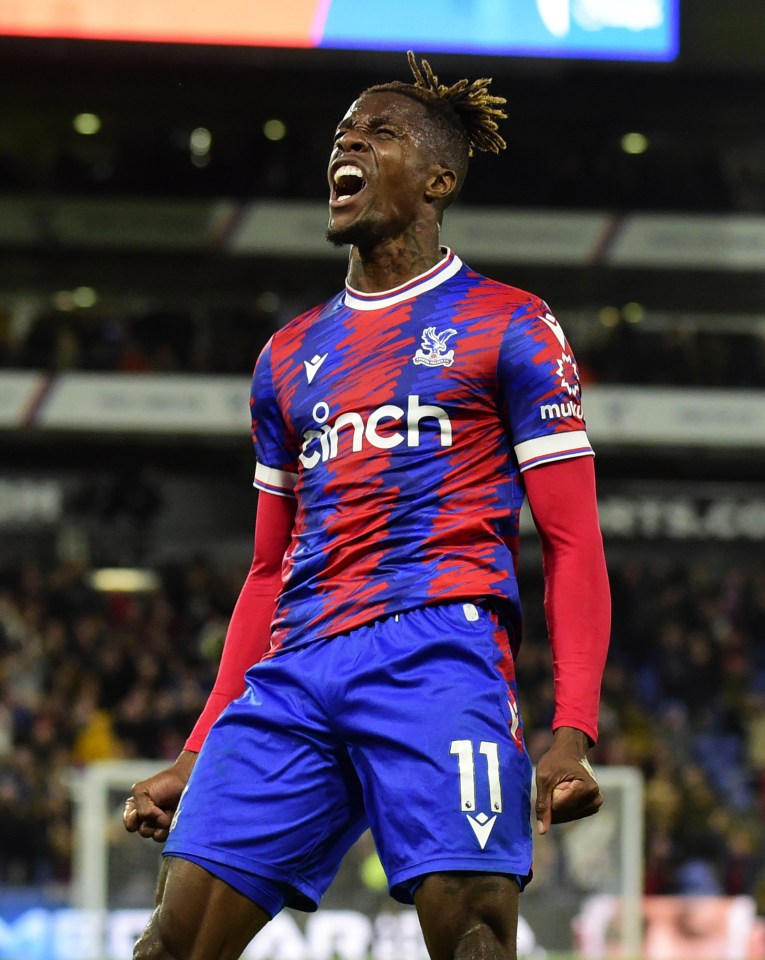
(364, 232)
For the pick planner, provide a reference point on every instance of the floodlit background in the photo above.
(162, 207)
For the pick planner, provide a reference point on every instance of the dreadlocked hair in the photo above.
(469, 103)
(472, 103)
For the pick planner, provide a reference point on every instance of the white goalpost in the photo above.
(578, 868)
(95, 828)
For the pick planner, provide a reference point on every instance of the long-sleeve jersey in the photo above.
(402, 422)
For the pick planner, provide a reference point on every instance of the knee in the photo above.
(152, 946)
(481, 941)
(469, 916)
(149, 948)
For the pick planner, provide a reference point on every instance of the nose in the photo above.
(351, 141)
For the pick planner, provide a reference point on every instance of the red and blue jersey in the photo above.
(402, 422)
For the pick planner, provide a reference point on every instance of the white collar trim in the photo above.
(442, 271)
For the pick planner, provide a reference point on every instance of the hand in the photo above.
(566, 787)
(150, 808)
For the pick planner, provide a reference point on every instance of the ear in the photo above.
(441, 184)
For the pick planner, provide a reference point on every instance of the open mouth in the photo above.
(348, 182)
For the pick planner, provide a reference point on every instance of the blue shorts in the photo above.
(408, 725)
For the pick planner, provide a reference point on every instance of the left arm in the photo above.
(578, 612)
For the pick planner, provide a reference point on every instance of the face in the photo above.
(379, 170)
(700, 928)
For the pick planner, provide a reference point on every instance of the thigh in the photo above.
(198, 916)
(469, 915)
(446, 776)
(273, 793)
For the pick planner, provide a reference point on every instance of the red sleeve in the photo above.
(249, 632)
(577, 596)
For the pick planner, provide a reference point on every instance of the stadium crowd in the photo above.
(625, 347)
(86, 675)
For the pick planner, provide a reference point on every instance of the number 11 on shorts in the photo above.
(481, 823)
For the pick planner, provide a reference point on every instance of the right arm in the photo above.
(249, 633)
(150, 808)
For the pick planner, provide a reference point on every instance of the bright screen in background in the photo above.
(598, 29)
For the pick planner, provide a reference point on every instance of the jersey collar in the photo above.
(442, 271)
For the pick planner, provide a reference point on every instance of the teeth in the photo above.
(348, 171)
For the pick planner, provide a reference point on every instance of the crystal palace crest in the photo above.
(434, 352)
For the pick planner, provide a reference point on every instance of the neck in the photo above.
(389, 263)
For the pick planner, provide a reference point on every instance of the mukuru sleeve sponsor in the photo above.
(539, 380)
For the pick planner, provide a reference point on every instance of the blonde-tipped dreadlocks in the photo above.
(471, 102)
(466, 107)
(462, 118)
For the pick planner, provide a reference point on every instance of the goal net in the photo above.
(576, 867)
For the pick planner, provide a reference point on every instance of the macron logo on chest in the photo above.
(312, 365)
